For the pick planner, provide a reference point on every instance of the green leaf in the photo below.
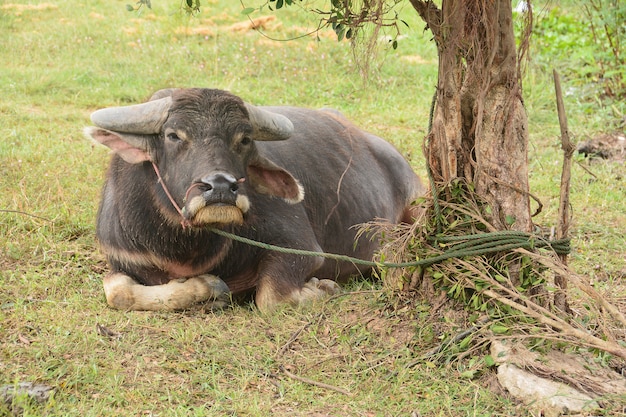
(509, 220)
(248, 10)
(468, 374)
(279, 4)
(130, 8)
(451, 291)
(465, 342)
(340, 30)
(489, 361)
(475, 302)
(501, 278)
(394, 44)
(499, 329)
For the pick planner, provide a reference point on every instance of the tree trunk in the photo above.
(479, 129)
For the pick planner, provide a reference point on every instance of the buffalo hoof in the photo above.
(219, 295)
(317, 288)
(124, 293)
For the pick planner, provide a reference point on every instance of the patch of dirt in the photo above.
(609, 146)
(199, 31)
(416, 59)
(328, 411)
(18, 8)
(266, 23)
(262, 22)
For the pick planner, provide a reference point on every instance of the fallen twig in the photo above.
(559, 268)
(460, 336)
(345, 294)
(292, 339)
(315, 383)
(563, 327)
(23, 213)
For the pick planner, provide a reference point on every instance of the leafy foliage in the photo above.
(137, 7)
(608, 29)
(191, 7)
(459, 215)
(348, 17)
(590, 50)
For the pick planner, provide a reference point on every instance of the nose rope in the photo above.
(191, 187)
(184, 222)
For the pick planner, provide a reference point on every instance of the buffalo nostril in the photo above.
(220, 184)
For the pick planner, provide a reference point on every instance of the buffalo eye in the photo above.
(242, 144)
(173, 137)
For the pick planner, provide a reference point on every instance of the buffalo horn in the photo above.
(166, 92)
(268, 125)
(145, 118)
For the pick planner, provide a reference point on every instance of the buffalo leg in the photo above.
(124, 293)
(282, 280)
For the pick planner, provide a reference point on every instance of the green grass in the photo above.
(64, 60)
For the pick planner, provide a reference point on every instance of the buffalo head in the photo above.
(202, 142)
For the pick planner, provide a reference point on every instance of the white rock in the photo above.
(554, 398)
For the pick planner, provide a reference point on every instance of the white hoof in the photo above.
(318, 288)
(314, 289)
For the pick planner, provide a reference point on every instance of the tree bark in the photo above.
(480, 129)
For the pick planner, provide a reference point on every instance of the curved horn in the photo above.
(146, 118)
(166, 92)
(269, 126)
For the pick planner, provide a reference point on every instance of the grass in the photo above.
(63, 59)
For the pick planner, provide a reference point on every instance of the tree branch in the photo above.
(431, 14)
(564, 328)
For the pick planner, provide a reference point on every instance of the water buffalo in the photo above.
(293, 177)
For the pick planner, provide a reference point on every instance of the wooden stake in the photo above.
(560, 298)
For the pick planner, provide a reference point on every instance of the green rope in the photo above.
(471, 245)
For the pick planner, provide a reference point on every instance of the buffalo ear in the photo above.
(268, 178)
(131, 148)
